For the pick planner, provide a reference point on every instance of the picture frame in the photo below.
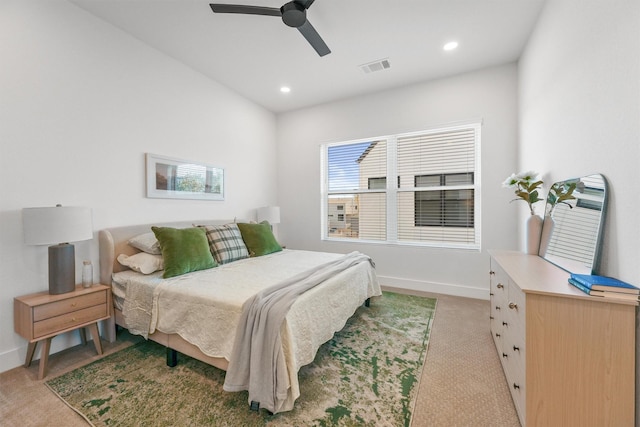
(172, 178)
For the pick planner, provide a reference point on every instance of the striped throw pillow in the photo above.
(225, 242)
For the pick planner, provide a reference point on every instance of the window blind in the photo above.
(436, 201)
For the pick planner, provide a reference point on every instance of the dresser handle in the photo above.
(74, 304)
(491, 273)
(73, 319)
(505, 324)
(513, 306)
(498, 335)
(500, 286)
(516, 348)
(497, 307)
(505, 355)
(490, 294)
(516, 386)
(490, 317)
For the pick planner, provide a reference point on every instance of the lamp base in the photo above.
(62, 269)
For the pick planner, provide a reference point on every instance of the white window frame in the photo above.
(392, 189)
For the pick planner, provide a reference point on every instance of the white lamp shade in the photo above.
(53, 225)
(270, 214)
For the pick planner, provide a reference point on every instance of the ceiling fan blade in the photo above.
(304, 3)
(248, 10)
(314, 38)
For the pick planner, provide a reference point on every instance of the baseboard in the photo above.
(438, 288)
(16, 357)
(12, 359)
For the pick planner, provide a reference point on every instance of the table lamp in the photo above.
(56, 226)
(270, 214)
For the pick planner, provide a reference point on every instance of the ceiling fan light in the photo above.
(285, 89)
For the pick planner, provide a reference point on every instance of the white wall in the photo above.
(488, 94)
(579, 84)
(580, 111)
(80, 104)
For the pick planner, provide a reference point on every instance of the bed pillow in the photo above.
(146, 242)
(184, 250)
(142, 262)
(225, 242)
(259, 238)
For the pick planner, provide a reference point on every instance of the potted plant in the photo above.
(526, 186)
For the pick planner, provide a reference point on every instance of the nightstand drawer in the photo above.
(69, 320)
(57, 308)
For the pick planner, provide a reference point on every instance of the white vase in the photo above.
(532, 233)
(545, 237)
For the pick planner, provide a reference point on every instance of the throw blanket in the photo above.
(258, 361)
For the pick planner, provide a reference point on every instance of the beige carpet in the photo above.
(462, 385)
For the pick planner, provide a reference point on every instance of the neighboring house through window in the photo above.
(436, 199)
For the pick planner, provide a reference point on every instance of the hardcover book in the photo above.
(604, 294)
(603, 283)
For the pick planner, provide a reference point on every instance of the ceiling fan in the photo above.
(293, 13)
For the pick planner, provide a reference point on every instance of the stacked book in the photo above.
(606, 287)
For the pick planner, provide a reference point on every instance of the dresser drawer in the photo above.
(57, 308)
(70, 320)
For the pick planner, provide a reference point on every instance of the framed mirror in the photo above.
(574, 222)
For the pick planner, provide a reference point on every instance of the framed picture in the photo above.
(171, 178)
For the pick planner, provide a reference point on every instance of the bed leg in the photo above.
(367, 302)
(109, 329)
(172, 357)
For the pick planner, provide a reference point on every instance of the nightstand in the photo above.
(41, 316)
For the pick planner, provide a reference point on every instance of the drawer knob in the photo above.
(491, 273)
(513, 306)
(500, 286)
(73, 304)
(516, 386)
(498, 335)
(505, 355)
(516, 348)
(505, 324)
(490, 317)
(73, 319)
(497, 307)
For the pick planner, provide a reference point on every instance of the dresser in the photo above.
(569, 358)
(39, 317)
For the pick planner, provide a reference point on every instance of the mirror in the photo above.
(573, 224)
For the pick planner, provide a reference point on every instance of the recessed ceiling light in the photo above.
(450, 46)
(285, 89)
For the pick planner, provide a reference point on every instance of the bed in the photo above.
(197, 313)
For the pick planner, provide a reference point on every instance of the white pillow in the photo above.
(146, 242)
(142, 263)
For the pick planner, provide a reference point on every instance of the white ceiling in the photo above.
(256, 55)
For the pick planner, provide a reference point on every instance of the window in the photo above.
(379, 183)
(436, 200)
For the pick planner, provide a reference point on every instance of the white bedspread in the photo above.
(204, 307)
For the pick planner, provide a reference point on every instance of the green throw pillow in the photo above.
(183, 250)
(259, 239)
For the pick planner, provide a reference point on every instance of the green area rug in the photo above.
(367, 375)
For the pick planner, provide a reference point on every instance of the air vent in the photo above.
(379, 65)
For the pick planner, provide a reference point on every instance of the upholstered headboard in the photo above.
(113, 242)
